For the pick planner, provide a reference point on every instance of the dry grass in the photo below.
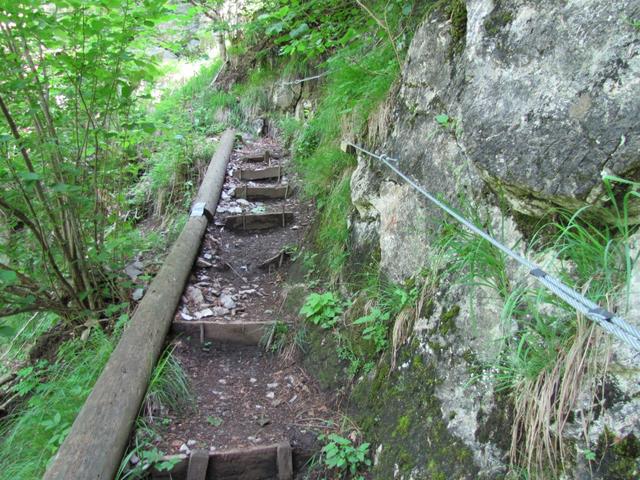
(379, 121)
(403, 324)
(543, 406)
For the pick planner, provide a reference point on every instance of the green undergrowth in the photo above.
(173, 145)
(21, 332)
(549, 353)
(183, 123)
(359, 81)
(364, 327)
(55, 393)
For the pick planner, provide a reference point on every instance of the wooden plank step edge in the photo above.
(260, 173)
(257, 157)
(258, 221)
(243, 333)
(270, 461)
(198, 465)
(264, 193)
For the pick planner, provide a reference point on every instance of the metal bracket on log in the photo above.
(198, 209)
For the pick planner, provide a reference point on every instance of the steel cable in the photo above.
(608, 321)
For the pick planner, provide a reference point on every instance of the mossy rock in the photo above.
(448, 320)
(497, 20)
(617, 458)
(322, 361)
(295, 297)
(399, 409)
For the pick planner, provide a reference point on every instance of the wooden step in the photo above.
(243, 333)
(263, 193)
(261, 173)
(275, 261)
(257, 157)
(253, 463)
(261, 221)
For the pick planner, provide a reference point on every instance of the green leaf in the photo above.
(6, 331)
(442, 119)
(299, 30)
(148, 127)
(8, 277)
(215, 421)
(30, 176)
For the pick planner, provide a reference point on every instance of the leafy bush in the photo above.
(322, 309)
(341, 454)
(376, 328)
(70, 99)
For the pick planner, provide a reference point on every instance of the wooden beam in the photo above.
(253, 463)
(260, 221)
(100, 433)
(264, 193)
(198, 465)
(285, 461)
(243, 333)
(277, 260)
(261, 173)
(257, 157)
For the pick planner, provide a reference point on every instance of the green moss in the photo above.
(417, 361)
(403, 426)
(295, 297)
(434, 472)
(618, 458)
(493, 424)
(497, 20)
(400, 410)
(458, 12)
(322, 361)
(447, 320)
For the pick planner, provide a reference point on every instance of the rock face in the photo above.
(541, 101)
(551, 97)
(534, 104)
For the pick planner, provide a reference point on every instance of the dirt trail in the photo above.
(243, 395)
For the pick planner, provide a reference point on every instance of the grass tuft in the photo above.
(34, 434)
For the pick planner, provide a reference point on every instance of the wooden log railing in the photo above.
(94, 447)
